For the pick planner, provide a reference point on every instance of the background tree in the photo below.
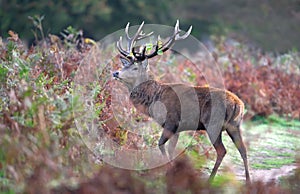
(272, 25)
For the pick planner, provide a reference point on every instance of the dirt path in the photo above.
(268, 146)
(268, 175)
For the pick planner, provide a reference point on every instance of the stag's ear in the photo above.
(126, 62)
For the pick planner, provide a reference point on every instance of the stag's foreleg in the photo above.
(166, 135)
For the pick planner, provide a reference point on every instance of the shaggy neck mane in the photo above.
(143, 95)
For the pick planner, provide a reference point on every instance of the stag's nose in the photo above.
(116, 74)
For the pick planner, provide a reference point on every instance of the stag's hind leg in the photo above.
(235, 135)
(172, 145)
(221, 152)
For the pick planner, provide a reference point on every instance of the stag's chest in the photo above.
(141, 102)
(144, 97)
(151, 106)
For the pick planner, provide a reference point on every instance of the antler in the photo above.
(139, 35)
(132, 54)
(164, 47)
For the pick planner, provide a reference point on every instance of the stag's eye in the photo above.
(134, 69)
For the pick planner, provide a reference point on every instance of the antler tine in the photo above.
(132, 40)
(177, 26)
(178, 37)
(119, 43)
(121, 50)
(143, 35)
(167, 45)
(126, 31)
(139, 35)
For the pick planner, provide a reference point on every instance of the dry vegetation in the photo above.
(42, 152)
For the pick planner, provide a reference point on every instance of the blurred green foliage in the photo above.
(273, 25)
(96, 18)
(36, 116)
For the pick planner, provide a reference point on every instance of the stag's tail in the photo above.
(234, 111)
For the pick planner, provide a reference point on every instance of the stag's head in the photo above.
(135, 58)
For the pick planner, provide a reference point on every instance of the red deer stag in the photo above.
(172, 105)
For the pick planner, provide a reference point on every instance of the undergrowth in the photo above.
(42, 152)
